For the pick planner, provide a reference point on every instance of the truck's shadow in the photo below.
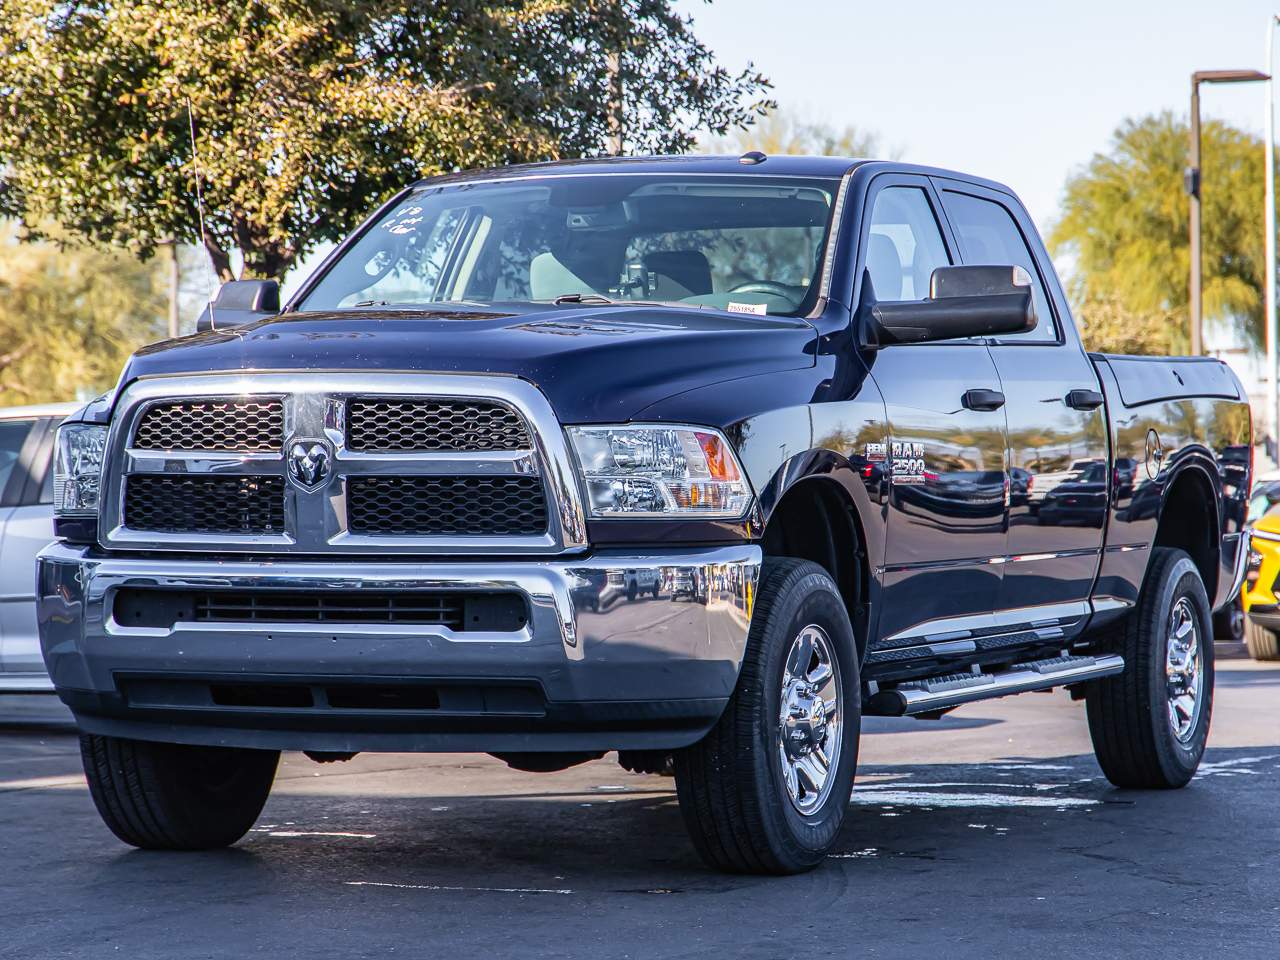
(1017, 816)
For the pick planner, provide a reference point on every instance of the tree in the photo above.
(70, 316)
(777, 132)
(1125, 221)
(307, 112)
(1106, 324)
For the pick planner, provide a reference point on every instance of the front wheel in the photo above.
(767, 789)
(167, 796)
(1149, 724)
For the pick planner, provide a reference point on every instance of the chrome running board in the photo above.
(951, 690)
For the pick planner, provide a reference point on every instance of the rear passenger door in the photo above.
(945, 528)
(1058, 463)
(26, 526)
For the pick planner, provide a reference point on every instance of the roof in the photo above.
(783, 165)
(40, 410)
(777, 165)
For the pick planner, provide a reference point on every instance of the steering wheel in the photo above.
(766, 286)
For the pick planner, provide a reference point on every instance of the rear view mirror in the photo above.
(239, 302)
(971, 301)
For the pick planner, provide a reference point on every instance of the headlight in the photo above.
(660, 471)
(77, 469)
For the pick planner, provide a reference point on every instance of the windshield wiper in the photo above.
(585, 298)
(601, 300)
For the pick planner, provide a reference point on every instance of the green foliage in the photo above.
(1125, 223)
(70, 316)
(307, 112)
(778, 132)
(1107, 325)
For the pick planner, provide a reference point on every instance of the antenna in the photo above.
(195, 159)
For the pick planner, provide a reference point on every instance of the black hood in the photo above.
(594, 364)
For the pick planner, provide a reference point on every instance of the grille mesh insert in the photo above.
(445, 425)
(253, 426)
(459, 610)
(434, 608)
(441, 506)
(187, 504)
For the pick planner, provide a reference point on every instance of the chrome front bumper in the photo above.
(603, 671)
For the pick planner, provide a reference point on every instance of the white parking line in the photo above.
(76, 782)
(437, 888)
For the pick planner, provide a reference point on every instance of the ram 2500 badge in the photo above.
(835, 414)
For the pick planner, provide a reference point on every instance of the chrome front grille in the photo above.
(339, 463)
(431, 425)
(252, 426)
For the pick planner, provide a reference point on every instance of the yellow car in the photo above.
(1259, 593)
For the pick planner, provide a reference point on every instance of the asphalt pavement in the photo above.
(989, 833)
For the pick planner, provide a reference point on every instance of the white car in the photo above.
(26, 526)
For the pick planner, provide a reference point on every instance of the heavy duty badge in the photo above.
(907, 463)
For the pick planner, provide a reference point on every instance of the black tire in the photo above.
(1133, 736)
(632, 590)
(168, 796)
(657, 588)
(732, 793)
(1262, 644)
(1228, 623)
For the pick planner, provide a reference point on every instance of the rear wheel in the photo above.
(1149, 725)
(767, 789)
(168, 796)
(1262, 644)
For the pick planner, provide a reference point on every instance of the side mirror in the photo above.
(239, 302)
(971, 301)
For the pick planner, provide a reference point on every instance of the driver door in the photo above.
(946, 442)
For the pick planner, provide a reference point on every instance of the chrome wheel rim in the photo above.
(1184, 670)
(810, 719)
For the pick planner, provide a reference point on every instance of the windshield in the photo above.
(748, 244)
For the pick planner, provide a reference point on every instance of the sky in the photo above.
(1023, 93)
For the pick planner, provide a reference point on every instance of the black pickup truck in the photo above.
(695, 459)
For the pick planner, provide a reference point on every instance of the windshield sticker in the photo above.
(405, 221)
(759, 309)
(908, 462)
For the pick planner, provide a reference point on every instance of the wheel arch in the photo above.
(812, 512)
(1189, 517)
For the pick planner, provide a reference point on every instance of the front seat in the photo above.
(549, 278)
(676, 274)
(885, 267)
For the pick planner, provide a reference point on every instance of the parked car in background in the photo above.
(1258, 597)
(26, 525)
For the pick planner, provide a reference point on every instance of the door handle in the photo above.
(1084, 399)
(983, 399)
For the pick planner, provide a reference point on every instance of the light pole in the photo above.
(1271, 421)
(1193, 185)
